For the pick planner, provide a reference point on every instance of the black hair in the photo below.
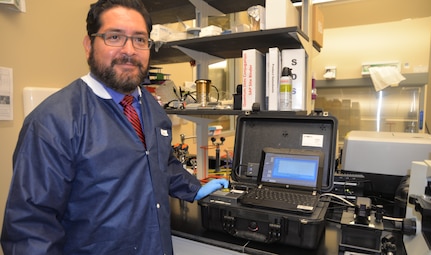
(96, 9)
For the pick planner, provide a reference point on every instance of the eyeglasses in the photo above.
(115, 39)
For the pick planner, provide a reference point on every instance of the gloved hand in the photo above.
(210, 187)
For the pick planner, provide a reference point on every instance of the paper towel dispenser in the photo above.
(32, 96)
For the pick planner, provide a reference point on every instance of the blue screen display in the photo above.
(299, 170)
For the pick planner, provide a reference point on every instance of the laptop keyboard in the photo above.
(290, 201)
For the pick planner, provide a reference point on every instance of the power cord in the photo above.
(348, 203)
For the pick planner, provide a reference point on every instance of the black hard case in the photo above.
(255, 131)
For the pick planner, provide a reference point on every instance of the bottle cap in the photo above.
(286, 71)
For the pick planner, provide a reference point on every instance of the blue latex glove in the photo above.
(210, 187)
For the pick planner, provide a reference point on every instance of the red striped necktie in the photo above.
(132, 116)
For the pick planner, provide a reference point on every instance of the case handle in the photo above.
(272, 237)
(250, 235)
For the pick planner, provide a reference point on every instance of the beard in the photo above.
(124, 82)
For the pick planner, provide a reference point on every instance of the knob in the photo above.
(252, 226)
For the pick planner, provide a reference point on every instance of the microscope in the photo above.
(419, 206)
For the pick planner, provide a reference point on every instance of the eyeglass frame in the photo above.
(103, 36)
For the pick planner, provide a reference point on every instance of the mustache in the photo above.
(126, 60)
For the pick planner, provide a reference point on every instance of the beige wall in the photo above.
(349, 13)
(43, 46)
(347, 48)
(358, 31)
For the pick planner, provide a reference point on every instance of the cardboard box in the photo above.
(160, 33)
(210, 31)
(281, 13)
(317, 26)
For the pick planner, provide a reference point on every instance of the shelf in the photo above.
(227, 45)
(167, 11)
(224, 46)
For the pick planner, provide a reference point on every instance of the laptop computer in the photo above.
(286, 173)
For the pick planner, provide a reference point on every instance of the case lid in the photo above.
(258, 130)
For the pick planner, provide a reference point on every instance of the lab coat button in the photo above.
(158, 205)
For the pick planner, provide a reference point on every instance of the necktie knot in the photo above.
(127, 100)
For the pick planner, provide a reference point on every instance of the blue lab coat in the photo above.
(83, 182)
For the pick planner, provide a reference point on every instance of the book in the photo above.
(273, 72)
(296, 60)
(266, 79)
(253, 79)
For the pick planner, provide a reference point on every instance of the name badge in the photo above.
(164, 132)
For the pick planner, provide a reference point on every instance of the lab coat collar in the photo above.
(98, 88)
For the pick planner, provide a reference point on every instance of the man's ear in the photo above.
(87, 46)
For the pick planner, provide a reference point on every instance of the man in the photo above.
(85, 182)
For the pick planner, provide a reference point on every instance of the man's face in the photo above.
(120, 68)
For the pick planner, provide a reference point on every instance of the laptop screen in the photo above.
(291, 168)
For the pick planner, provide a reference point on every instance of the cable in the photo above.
(218, 93)
(168, 104)
(392, 218)
(244, 246)
(339, 197)
(237, 170)
(189, 94)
